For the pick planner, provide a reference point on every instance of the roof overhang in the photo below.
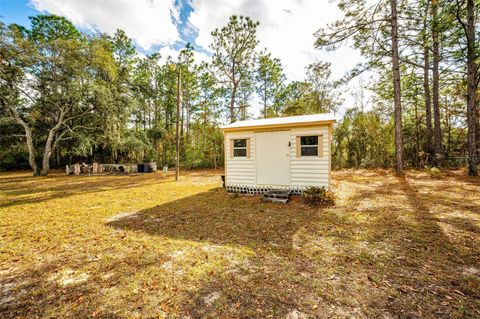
(275, 127)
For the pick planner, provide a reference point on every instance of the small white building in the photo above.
(278, 153)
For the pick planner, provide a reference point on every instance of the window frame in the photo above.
(319, 146)
(246, 147)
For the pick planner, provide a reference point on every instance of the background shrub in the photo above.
(434, 172)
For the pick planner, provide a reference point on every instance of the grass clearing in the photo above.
(147, 247)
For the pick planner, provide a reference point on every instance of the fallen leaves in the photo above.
(390, 247)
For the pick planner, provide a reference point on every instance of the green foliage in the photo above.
(363, 139)
(67, 95)
(434, 172)
(13, 157)
(233, 61)
(317, 94)
(318, 196)
(269, 78)
(50, 28)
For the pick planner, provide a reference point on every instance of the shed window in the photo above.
(309, 145)
(240, 147)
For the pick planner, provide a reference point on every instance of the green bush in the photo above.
(14, 157)
(434, 172)
(318, 196)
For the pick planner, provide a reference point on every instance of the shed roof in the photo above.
(290, 121)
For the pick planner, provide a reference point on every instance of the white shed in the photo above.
(278, 153)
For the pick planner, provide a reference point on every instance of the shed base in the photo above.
(260, 190)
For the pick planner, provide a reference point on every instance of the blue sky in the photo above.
(19, 11)
(16, 11)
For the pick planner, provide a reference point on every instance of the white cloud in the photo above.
(286, 26)
(148, 22)
(286, 29)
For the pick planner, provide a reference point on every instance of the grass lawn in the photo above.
(147, 247)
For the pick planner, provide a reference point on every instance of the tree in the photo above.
(363, 139)
(436, 84)
(189, 80)
(114, 128)
(472, 80)
(323, 91)
(396, 88)
(53, 93)
(368, 26)
(269, 80)
(233, 49)
(16, 56)
(77, 96)
(426, 83)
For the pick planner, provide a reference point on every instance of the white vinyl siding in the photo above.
(240, 170)
(310, 170)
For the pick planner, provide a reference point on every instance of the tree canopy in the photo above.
(67, 95)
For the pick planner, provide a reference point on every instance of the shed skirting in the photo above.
(259, 190)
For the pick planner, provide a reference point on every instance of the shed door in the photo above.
(272, 158)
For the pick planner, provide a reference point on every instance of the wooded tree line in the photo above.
(424, 55)
(68, 96)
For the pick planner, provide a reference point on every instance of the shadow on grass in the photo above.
(298, 250)
(202, 226)
(220, 219)
(39, 293)
(272, 283)
(54, 187)
(421, 265)
(380, 254)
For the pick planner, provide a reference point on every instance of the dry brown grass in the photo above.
(147, 247)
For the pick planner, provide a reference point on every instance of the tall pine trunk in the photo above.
(187, 114)
(177, 137)
(426, 89)
(471, 92)
(265, 99)
(417, 133)
(232, 104)
(436, 85)
(396, 89)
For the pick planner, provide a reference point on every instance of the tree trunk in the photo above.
(177, 137)
(448, 127)
(436, 86)
(31, 152)
(471, 92)
(215, 165)
(396, 89)
(232, 104)
(46, 161)
(265, 99)
(47, 153)
(182, 118)
(426, 90)
(187, 114)
(57, 153)
(417, 134)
